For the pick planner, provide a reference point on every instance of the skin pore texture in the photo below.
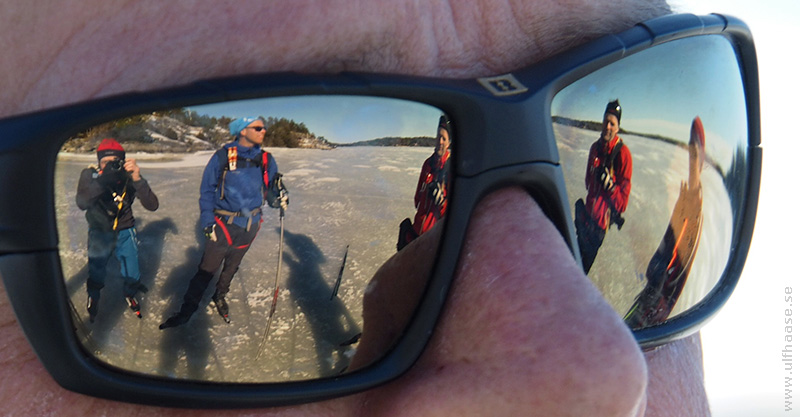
(506, 344)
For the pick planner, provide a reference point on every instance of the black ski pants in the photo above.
(590, 235)
(228, 251)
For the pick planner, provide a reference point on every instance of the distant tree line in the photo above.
(424, 141)
(285, 133)
(598, 127)
(184, 130)
(187, 131)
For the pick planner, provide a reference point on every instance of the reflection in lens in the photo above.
(671, 264)
(654, 204)
(432, 188)
(265, 280)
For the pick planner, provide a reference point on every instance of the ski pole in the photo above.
(275, 294)
(341, 271)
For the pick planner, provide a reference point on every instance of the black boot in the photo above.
(92, 306)
(222, 306)
(176, 320)
(181, 317)
(191, 300)
(134, 306)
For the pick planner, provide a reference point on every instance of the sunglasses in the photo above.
(257, 128)
(658, 206)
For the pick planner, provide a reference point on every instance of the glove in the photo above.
(437, 194)
(607, 180)
(210, 233)
(283, 198)
(278, 195)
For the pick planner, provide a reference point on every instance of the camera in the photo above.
(115, 165)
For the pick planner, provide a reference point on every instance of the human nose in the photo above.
(524, 331)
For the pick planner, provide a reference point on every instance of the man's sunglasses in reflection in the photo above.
(642, 148)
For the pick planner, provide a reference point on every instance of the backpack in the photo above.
(273, 188)
(225, 166)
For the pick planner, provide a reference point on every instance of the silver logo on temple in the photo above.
(503, 85)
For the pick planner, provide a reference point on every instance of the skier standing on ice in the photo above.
(432, 188)
(107, 192)
(237, 181)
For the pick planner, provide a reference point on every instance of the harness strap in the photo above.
(232, 214)
(224, 230)
(120, 200)
(612, 156)
(227, 233)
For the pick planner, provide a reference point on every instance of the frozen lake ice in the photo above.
(354, 196)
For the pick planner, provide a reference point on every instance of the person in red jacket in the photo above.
(608, 185)
(672, 262)
(432, 188)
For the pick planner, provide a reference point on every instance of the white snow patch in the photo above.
(302, 172)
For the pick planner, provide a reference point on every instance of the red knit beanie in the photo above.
(110, 147)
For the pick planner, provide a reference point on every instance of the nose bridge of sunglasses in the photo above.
(506, 134)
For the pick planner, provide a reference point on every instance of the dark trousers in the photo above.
(228, 250)
(590, 235)
(124, 245)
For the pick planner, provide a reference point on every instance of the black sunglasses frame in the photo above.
(29, 258)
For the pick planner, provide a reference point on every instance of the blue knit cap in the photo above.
(237, 125)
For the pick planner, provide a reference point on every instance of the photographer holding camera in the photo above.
(107, 192)
(608, 185)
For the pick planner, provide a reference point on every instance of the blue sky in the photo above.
(340, 119)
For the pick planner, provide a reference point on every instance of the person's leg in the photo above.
(100, 246)
(127, 253)
(589, 240)
(241, 240)
(213, 255)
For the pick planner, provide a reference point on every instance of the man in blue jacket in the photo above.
(237, 181)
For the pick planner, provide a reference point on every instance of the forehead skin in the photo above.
(114, 47)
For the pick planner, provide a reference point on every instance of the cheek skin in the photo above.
(675, 386)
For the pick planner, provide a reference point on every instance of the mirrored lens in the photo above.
(181, 260)
(654, 153)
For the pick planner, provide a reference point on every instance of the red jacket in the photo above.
(434, 171)
(599, 201)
